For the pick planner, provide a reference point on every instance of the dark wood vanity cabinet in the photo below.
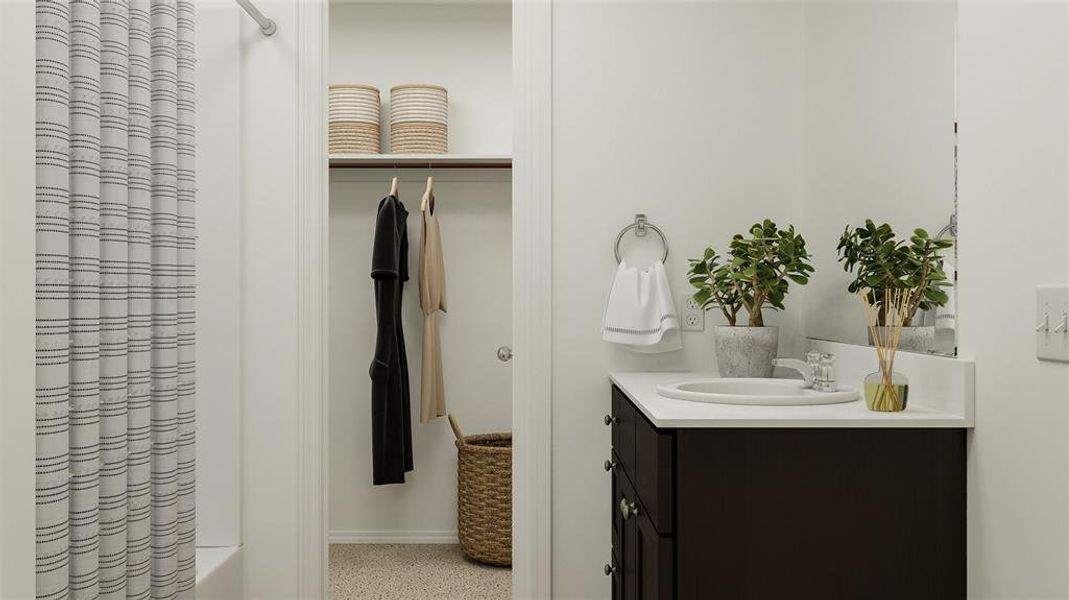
(836, 513)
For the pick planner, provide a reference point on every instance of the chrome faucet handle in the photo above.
(813, 359)
(824, 373)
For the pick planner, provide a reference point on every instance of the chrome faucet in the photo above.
(817, 370)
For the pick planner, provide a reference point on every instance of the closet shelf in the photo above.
(420, 161)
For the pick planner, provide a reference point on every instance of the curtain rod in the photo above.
(267, 26)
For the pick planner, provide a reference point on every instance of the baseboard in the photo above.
(432, 536)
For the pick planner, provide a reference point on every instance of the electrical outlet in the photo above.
(1052, 322)
(693, 315)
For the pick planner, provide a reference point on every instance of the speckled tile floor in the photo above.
(417, 571)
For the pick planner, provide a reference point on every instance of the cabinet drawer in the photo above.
(623, 431)
(646, 455)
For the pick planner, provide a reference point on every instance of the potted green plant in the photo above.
(754, 276)
(882, 265)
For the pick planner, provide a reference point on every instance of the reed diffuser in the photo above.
(886, 390)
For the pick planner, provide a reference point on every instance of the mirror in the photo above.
(879, 142)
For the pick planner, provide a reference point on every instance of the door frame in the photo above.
(531, 297)
(17, 307)
(312, 288)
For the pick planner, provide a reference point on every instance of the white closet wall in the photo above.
(466, 48)
(476, 237)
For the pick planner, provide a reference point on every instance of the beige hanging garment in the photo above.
(432, 301)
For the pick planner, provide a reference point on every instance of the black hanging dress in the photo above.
(391, 420)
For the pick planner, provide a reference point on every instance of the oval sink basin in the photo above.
(753, 391)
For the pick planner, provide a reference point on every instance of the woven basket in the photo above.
(419, 119)
(354, 116)
(484, 495)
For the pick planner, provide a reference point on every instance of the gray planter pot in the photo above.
(746, 351)
(912, 339)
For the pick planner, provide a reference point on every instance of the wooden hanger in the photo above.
(428, 194)
(393, 187)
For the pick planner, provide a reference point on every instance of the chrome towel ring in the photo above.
(641, 226)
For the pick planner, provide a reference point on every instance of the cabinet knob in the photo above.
(609, 569)
(610, 464)
(628, 509)
(609, 419)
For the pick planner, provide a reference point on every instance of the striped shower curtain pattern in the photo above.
(115, 299)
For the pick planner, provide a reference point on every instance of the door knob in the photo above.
(609, 419)
(610, 464)
(628, 509)
(504, 354)
(609, 569)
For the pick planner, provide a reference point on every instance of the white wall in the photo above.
(464, 46)
(17, 311)
(269, 311)
(1013, 101)
(879, 136)
(218, 274)
(474, 212)
(691, 113)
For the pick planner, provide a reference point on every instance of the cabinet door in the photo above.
(617, 532)
(617, 579)
(644, 557)
(624, 538)
(628, 530)
(653, 560)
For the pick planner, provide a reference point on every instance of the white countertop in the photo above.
(667, 412)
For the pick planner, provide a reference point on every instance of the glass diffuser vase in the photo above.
(887, 312)
(886, 392)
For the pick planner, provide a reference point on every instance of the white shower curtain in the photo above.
(115, 299)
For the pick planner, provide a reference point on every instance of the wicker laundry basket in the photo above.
(354, 115)
(484, 495)
(419, 119)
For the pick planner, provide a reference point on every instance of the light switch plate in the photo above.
(1052, 322)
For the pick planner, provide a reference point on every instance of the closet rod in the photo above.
(473, 165)
(443, 181)
(420, 161)
(267, 26)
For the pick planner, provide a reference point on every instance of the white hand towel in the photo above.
(641, 313)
